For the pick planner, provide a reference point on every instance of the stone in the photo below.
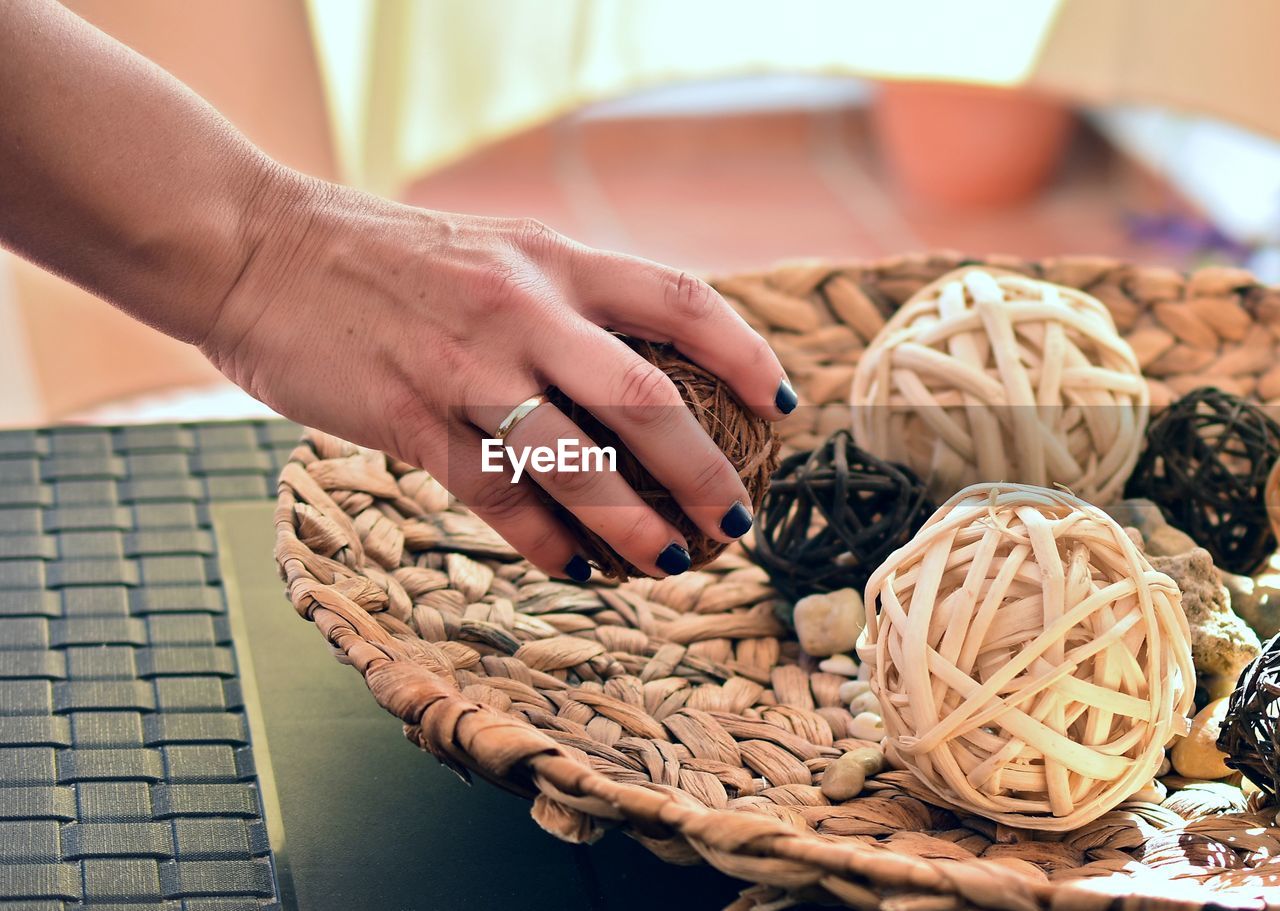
(1256, 599)
(1154, 533)
(1154, 792)
(871, 759)
(1168, 542)
(1138, 513)
(864, 702)
(852, 689)
(830, 623)
(1136, 537)
(1197, 755)
(844, 665)
(867, 726)
(1221, 643)
(843, 779)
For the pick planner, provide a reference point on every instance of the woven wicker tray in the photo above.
(680, 710)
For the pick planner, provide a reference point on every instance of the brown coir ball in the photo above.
(749, 442)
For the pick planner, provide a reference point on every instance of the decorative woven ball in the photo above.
(985, 375)
(1249, 731)
(1205, 465)
(1030, 664)
(749, 442)
(832, 515)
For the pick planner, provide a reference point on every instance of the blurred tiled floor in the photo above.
(716, 194)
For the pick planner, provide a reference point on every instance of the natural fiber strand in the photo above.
(992, 376)
(832, 515)
(1059, 661)
(1206, 464)
(1250, 734)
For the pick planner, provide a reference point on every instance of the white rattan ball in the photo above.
(984, 376)
(1031, 666)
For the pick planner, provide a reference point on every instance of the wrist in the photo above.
(276, 211)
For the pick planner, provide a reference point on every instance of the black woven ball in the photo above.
(1248, 734)
(832, 515)
(1205, 465)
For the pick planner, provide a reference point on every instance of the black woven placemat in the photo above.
(126, 777)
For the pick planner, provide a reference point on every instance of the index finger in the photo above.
(659, 304)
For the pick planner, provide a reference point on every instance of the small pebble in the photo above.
(867, 726)
(871, 760)
(1165, 767)
(843, 779)
(1168, 542)
(865, 702)
(1155, 792)
(852, 689)
(1257, 600)
(1197, 755)
(829, 623)
(844, 665)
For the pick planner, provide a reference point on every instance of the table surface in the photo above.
(175, 737)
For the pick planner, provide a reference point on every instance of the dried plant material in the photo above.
(1030, 663)
(984, 376)
(1206, 464)
(832, 515)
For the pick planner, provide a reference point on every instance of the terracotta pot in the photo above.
(973, 147)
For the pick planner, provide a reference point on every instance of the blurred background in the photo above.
(716, 135)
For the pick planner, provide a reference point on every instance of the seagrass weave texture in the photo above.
(1030, 664)
(681, 710)
(999, 377)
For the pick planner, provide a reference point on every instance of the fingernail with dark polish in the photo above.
(578, 569)
(736, 522)
(674, 560)
(785, 399)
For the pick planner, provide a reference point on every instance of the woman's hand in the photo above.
(417, 332)
(410, 331)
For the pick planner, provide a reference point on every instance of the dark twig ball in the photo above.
(1205, 465)
(833, 515)
(1249, 731)
(747, 440)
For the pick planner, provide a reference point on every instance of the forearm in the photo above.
(116, 176)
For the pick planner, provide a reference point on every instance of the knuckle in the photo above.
(499, 500)
(637, 537)
(568, 484)
(546, 540)
(415, 434)
(646, 393)
(710, 481)
(500, 285)
(690, 298)
(535, 237)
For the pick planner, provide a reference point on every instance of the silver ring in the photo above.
(520, 412)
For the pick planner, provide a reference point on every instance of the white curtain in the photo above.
(415, 83)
